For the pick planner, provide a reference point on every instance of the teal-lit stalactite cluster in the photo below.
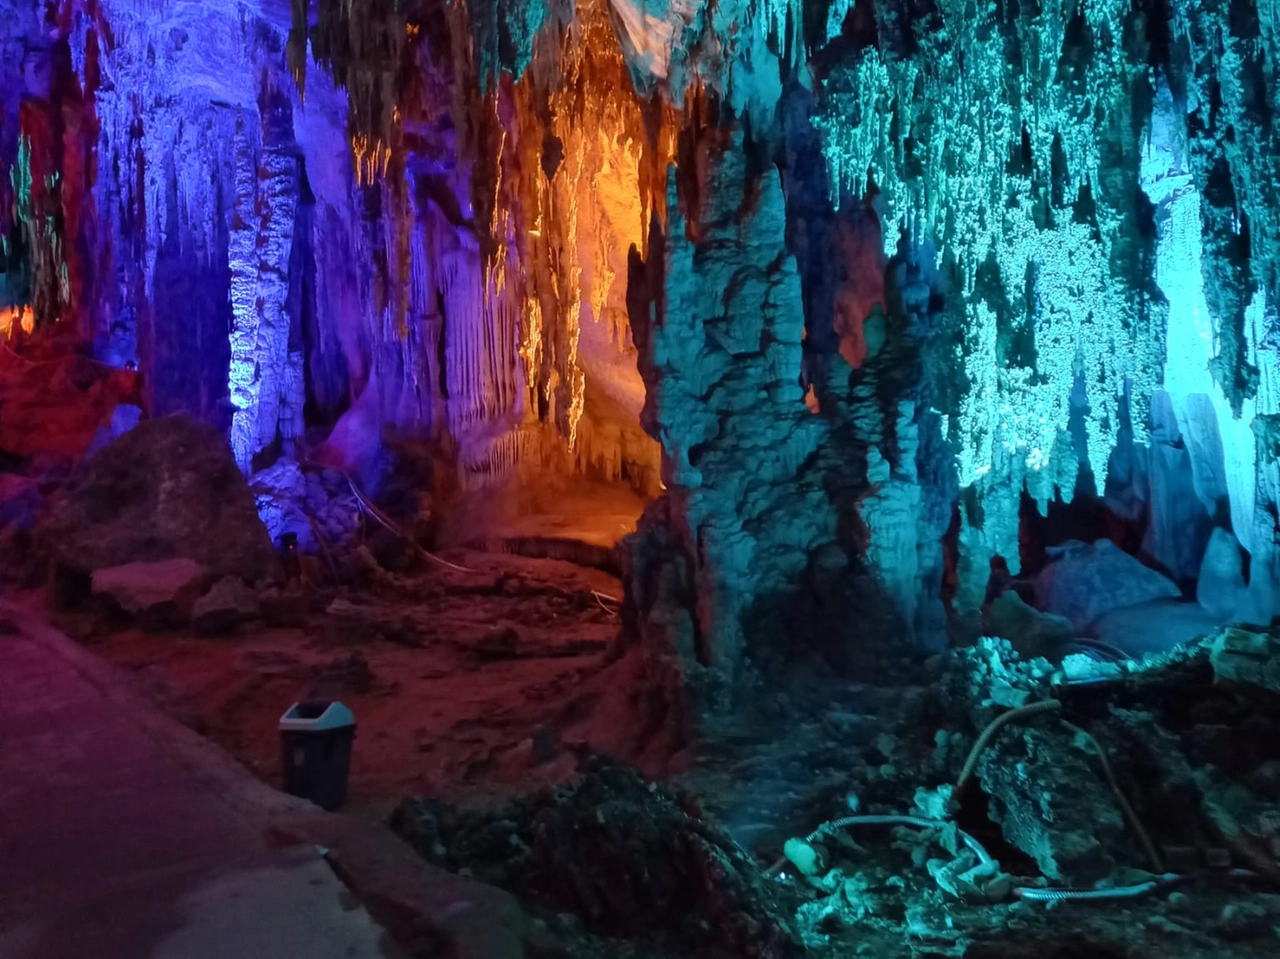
(1010, 140)
(1230, 84)
(15, 267)
(34, 270)
(15, 259)
(1013, 145)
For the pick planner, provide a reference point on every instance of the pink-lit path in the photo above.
(124, 834)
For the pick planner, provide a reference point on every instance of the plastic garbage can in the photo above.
(315, 742)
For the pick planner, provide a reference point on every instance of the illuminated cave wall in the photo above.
(845, 281)
(348, 217)
(1035, 245)
(1094, 177)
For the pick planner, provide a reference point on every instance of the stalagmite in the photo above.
(878, 301)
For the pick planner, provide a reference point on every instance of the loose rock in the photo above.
(228, 604)
(162, 593)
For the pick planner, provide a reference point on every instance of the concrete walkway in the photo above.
(123, 834)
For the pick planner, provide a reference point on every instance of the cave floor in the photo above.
(593, 514)
(484, 685)
(119, 835)
(458, 681)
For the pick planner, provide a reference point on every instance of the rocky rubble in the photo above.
(628, 858)
(1167, 756)
(1173, 756)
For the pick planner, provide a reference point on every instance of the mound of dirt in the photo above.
(624, 855)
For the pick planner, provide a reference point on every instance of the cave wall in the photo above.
(843, 282)
(1070, 298)
(320, 216)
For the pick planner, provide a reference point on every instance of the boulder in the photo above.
(1044, 793)
(166, 489)
(227, 604)
(1085, 581)
(1246, 658)
(161, 592)
(1221, 587)
(1030, 632)
(615, 850)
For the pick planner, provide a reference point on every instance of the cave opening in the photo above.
(783, 479)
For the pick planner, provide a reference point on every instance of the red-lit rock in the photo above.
(168, 488)
(159, 592)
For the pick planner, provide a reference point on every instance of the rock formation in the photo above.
(849, 290)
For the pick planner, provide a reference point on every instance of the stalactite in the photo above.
(992, 164)
(1233, 93)
(576, 172)
(362, 47)
(278, 369)
(36, 182)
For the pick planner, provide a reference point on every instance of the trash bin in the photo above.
(315, 743)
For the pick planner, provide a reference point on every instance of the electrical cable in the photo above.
(916, 821)
(993, 727)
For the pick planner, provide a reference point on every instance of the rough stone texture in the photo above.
(1056, 815)
(53, 405)
(20, 502)
(227, 604)
(618, 852)
(1085, 581)
(309, 504)
(721, 358)
(1253, 659)
(163, 590)
(168, 488)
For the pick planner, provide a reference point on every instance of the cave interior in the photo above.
(769, 477)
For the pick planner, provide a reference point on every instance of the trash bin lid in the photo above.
(306, 717)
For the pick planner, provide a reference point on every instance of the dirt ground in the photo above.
(461, 683)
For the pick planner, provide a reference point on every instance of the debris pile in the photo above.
(1139, 797)
(627, 857)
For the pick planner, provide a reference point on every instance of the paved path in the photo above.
(122, 838)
